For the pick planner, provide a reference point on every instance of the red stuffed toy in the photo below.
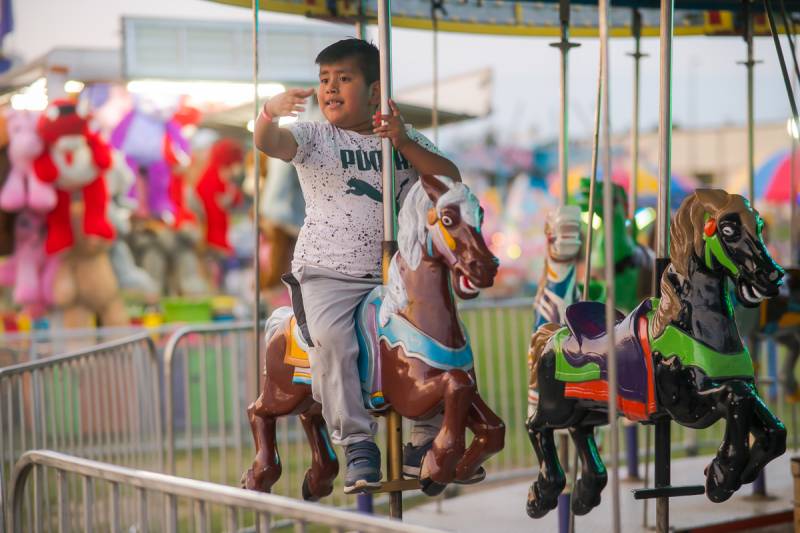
(74, 159)
(217, 193)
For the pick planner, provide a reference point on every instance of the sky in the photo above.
(708, 84)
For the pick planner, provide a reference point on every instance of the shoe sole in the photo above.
(361, 486)
(412, 472)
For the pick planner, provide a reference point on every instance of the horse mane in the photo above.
(412, 235)
(686, 241)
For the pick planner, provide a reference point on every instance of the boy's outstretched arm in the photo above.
(423, 160)
(269, 137)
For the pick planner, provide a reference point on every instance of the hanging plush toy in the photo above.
(30, 271)
(22, 187)
(152, 140)
(74, 159)
(218, 193)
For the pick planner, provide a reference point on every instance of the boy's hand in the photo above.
(391, 127)
(288, 104)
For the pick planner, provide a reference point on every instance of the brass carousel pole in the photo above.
(394, 423)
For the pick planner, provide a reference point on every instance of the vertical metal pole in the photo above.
(394, 423)
(564, 47)
(435, 106)
(608, 206)
(587, 265)
(632, 431)
(750, 64)
(364, 502)
(637, 55)
(256, 200)
(662, 437)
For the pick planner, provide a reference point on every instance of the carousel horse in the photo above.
(633, 262)
(415, 354)
(679, 356)
(558, 286)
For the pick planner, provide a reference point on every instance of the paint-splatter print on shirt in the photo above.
(340, 175)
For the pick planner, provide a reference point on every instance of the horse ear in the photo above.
(433, 186)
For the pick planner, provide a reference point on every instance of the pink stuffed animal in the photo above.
(30, 270)
(22, 187)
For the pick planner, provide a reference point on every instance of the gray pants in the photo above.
(326, 301)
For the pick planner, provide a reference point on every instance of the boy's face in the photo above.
(344, 96)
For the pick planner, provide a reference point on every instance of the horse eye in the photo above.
(447, 221)
(728, 231)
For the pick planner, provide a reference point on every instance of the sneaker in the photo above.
(363, 467)
(412, 464)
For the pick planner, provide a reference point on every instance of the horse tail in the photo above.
(275, 321)
(538, 343)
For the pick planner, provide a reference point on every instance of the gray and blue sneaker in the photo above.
(412, 464)
(363, 467)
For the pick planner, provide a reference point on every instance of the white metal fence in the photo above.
(89, 496)
(106, 403)
(103, 403)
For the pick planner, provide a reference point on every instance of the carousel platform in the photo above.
(501, 507)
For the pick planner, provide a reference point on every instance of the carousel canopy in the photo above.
(533, 17)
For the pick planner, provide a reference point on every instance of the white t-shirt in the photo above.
(340, 175)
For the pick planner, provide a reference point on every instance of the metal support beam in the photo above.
(637, 55)
(256, 202)
(564, 46)
(662, 452)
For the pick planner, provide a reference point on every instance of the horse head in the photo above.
(442, 219)
(563, 231)
(723, 232)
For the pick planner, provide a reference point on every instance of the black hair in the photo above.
(365, 53)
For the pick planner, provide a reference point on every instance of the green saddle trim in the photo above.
(692, 352)
(567, 372)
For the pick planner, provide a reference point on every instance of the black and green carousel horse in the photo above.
(679, 356)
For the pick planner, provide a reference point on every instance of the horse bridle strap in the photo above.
(713, 247)
(444, 242)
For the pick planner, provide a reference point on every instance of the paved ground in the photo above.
(502, 508)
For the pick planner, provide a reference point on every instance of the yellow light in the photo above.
(645, 217)
(514, 251)
(31, 98)
(73, 86)
(596, 222)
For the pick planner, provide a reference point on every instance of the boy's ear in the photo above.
(375, 93)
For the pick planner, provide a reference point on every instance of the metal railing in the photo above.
(103, 402)
(164, 502)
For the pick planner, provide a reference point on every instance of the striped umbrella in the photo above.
(772, 179)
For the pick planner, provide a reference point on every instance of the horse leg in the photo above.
(439, 465)
(266, 468)
(543, 494)
(723, 474)
(489, 438)
(586, 494)
(792, 343)
(318, 481)
(770, 440)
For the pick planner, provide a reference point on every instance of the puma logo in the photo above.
(359, 187)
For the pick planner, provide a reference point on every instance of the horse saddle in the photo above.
(397, 332)
(582, 351)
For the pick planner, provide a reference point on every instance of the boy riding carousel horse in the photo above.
(337, 264)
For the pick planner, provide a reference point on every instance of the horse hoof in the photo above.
(581, 507)
(714, 491)
(430, 487)
(307, 495)
(536, 506)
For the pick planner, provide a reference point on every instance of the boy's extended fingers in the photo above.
(395, 110)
